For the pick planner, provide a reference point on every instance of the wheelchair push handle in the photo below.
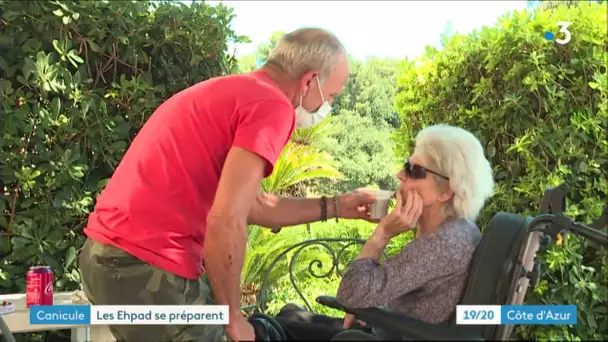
(552, 221)
(555, 224)
(590, 233)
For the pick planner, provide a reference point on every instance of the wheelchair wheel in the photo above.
(267, 328)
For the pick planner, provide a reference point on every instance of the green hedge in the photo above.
(541, 111)
(78, 79)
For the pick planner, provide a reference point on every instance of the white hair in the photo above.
(305, 50)
(458, 155)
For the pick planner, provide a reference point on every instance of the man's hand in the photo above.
(349, 320)
(355, 205)
(240, 329)
(274, 211)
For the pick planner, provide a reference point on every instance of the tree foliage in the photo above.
(262, 52)
(370, 91)
(364, 119)
(250, 63)
(551, 4)
(363, 154)
(541, 111)
(78, 80)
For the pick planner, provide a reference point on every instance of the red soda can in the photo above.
(39, 286)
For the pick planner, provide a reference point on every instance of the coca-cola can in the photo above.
(39, 286)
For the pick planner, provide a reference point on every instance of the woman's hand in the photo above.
(404, 217)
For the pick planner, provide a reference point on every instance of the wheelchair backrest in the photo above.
(495, 267)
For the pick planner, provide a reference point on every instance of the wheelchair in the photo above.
(503, 267)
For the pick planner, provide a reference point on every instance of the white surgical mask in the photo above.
(306, 119)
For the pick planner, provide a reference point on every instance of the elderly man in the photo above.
(175, 213)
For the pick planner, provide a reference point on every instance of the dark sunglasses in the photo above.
(416, 171)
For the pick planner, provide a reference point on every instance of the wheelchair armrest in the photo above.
(401, 324)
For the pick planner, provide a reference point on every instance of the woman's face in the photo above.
(425, 186)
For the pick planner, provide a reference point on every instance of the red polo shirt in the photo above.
(156, 203)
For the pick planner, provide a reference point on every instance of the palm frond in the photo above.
(313, 135)
(296, 164)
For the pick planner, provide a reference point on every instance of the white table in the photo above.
(19, 320)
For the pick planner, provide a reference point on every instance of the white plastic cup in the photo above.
(379, 208)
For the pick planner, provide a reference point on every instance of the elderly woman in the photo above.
(444, 185)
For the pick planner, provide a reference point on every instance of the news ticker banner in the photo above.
(218, 314)
(130, 314)
(516, 314)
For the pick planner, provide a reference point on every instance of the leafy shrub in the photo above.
(541, 111)
(78, 80)
(311, 288)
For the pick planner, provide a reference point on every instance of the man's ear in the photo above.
(306, 81)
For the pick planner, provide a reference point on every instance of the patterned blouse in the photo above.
(424, 281)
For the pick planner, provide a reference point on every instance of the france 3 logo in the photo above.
(563, 28)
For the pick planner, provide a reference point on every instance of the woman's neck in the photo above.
(430, 220)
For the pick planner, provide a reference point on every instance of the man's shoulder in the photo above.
(242, 88)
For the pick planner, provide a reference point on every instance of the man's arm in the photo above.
(262, 129)
(226, 235)
(274, 211)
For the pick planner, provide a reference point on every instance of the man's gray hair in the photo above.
(305, 50)
(458, 155)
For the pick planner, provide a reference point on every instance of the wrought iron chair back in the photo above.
(335, 248)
